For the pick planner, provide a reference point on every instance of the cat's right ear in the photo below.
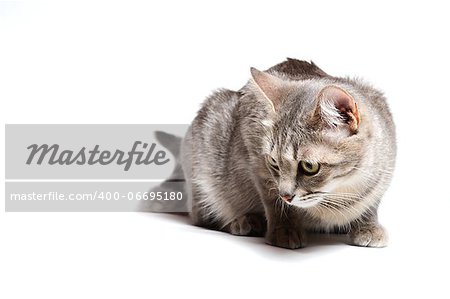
(271, 87)
(338, 108)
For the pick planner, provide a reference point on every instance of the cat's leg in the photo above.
(252, 224)
(367, 232)
(284, 226)
(199, 215)
(249, 224)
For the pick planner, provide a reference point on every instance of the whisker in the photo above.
(350, 200)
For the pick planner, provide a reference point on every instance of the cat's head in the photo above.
(315, 145)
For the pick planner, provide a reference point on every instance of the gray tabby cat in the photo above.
(294, 150)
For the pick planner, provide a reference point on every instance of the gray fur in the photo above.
(233, 187)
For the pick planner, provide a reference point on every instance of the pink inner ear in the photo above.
(344, 103)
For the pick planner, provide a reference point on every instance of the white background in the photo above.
(154, 62)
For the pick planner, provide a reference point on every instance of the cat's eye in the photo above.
(273, 163)
(309, 168)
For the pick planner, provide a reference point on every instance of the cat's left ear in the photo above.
(271, 87)
(338, 108)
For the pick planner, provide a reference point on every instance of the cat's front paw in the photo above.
(250, 224)
(369, 236)
(286, 237)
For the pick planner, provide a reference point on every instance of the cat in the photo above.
(294, 150)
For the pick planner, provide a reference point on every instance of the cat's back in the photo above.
(296, 69)
(215, 117)
(217, 109)
(213, 127)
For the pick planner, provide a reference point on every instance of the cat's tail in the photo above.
(174, 184)
(171, 142)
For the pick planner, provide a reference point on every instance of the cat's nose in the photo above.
(287, 197)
